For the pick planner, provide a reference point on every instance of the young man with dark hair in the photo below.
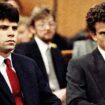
(21, 82)
(86, 75)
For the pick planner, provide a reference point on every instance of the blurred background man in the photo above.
(46, 54)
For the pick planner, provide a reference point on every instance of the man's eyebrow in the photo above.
(102, 32)
(6, 27)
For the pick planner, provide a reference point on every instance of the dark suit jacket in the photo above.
(86, 80)
(31, 50)
(35, 91)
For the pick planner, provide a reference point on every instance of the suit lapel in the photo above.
(5, 89)
(59, 69)
(55, 61)
(23, 77)
(99, 70)
(38, 58)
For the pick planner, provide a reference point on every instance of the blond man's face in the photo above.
(45, 28)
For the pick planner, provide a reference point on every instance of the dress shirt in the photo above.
(102, 52)
(3, 70)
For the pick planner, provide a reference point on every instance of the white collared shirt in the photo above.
(43, 47)
(102, 52)
(3, 70)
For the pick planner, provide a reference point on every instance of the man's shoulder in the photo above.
(22, 58)
(26, 44)
(84, 63)
(83, 60)
(25, 47)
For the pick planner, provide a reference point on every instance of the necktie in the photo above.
(14, 82)
(53, 82)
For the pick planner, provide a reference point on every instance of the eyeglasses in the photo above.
(43, 25)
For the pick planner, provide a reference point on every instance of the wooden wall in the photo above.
(71, 15)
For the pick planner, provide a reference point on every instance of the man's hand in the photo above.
(61, 94)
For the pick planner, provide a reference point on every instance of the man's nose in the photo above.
(10, 32)
(47, 26)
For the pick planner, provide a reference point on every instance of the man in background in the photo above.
(47, 56)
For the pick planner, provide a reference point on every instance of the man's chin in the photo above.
(9, 49)
(47, 40)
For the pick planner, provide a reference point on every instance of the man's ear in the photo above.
(93, 36)
(32, 30)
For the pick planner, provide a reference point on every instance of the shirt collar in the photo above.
(42, 45)
(102, 52)
(2, 59)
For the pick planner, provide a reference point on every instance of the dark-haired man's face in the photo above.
(100, 34)
(8, 34)
(45, 28)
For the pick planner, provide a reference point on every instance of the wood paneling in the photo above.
(28, 5)
(71, 15)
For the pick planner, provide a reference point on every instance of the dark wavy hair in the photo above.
(7, 11)
(94, 15)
